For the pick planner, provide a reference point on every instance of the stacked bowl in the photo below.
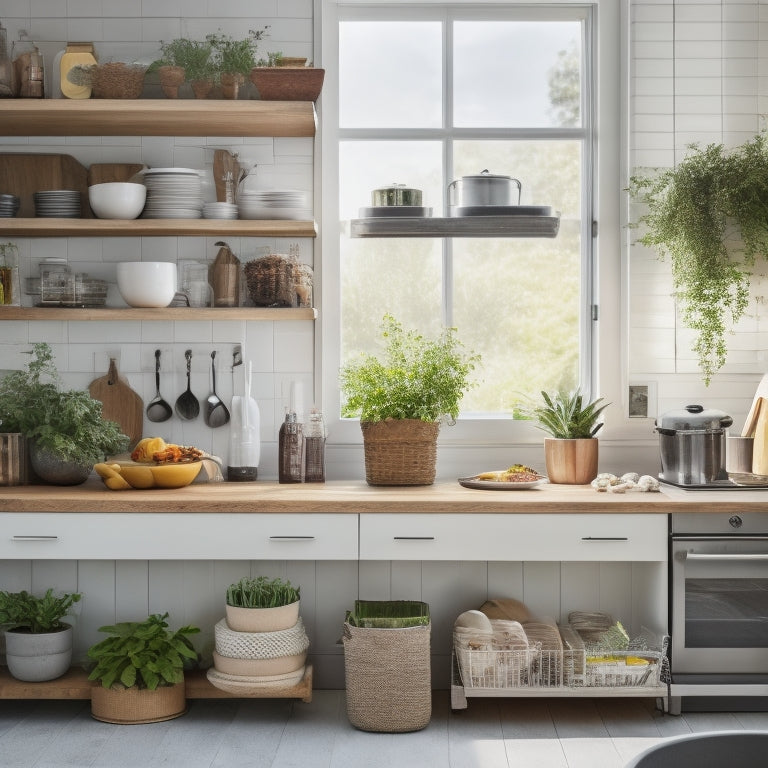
(9, 205)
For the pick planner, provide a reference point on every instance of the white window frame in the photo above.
(606, 376)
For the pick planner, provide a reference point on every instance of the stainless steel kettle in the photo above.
(692, 442)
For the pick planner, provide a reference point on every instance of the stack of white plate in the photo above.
(57, 204)
(219, 211)
(273, 204)
(173, 193)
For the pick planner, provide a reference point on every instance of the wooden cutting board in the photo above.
(120, 403)
(104, 173)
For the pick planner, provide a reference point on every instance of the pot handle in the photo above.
(726, 421)
(519, 190)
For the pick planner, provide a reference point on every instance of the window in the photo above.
(427, 95)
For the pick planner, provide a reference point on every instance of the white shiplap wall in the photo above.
(697, 75)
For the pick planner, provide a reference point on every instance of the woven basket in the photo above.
(288, 83)
(400, 451)
(388, 678)
(128, 706)
(260, 645)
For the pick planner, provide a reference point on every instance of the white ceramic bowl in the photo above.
(147, 283)
(117, 199)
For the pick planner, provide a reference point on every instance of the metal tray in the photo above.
(395, 210)
(500, 210)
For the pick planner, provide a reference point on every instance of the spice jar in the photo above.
(76, 54)
(28, 68)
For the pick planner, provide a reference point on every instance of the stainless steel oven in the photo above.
(719, 606)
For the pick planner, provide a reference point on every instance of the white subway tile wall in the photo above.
(698, 75)
(133, 29)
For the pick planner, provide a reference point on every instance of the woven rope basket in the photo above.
(388, 679)
(400, 451)
(128, 706)
(260, 645)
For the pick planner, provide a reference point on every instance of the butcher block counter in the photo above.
(356, 497)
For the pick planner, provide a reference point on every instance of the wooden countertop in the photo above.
(358, 497)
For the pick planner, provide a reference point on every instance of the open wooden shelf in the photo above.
(43, 227)
(156, 117)
(75, 685)
(276, 314)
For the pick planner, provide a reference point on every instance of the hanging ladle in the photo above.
(158, 409)
(216, 413)
(187, 406)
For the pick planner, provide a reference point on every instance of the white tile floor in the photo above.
(240, 733)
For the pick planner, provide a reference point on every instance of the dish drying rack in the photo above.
(642, 669)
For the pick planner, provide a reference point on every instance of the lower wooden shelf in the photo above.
(75, 685)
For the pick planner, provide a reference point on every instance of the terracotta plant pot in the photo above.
(571, 461)
(171, 78)
(230, 84)
(128, 706)
(288, 83)
(202, 88)
(262, 619)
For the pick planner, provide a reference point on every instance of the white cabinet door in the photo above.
(168, 536)
(556, 537)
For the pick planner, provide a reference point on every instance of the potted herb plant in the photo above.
(141, 670)
(38, 643)
(401, 397)
(66, 431)
(234, 59)
(708, 216)
(262, 605)
(181, 60)
(571, 453)
(276, 82)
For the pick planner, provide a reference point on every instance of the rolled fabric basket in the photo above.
(260, 645)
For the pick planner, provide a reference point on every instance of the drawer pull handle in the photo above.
(414, 538)
(35, 538)
(604, 538)
(291, 538)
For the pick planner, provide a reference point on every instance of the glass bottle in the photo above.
(28, 68)
(6, 66)
(314, 448)
(10, 289)
(290, 458)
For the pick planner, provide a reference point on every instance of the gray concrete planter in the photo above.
(38, 657)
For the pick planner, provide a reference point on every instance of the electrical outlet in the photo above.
(638, 401)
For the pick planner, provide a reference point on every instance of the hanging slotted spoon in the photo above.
(187, 406)
(216, 413)
(157, 408)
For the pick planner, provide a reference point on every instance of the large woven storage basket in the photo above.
(388, 679)
(400, 451)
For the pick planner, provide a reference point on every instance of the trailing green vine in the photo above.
(709, 216)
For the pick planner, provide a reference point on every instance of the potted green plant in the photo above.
(38, 643)
(401, 397)
(262, 605)
(708, 216)
(276, 82)
(140, 667)
(571, 453)
(182, 59)
(66, 431)
(234, 59)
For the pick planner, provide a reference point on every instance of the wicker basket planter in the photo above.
(288, 83)
(400, 451)
(129, 706)
(171, 79)
(388, 678)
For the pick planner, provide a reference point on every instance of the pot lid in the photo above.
(396, 187)
(694, 417)
(486, 174)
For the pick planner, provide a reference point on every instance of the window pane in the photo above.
(517, 74)
(517, 301)
(390, 74)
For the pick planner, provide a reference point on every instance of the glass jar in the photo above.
(28, 68)
(10, 288)
(6, 66)
(57, 283)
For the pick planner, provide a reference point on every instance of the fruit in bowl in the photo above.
(122, 475)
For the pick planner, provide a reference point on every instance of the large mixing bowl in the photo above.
(147, 283)
(117, 199)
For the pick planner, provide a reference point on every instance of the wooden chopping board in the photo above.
(104, 173)
(120, 403)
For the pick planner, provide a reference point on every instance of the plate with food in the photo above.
(518, 477)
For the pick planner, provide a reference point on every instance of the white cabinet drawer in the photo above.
(587, 537)
(168, 536)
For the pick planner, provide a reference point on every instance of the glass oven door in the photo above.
(719, 605)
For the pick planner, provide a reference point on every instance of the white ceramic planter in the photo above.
(262, 619)
(35, 658)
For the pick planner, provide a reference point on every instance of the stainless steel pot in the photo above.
(693, 445)
(484, 189)
(397, 194)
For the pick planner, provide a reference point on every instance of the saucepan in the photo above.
(484, 188)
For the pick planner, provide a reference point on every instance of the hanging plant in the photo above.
(709, 217)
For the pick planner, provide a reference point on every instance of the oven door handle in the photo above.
(724, 557)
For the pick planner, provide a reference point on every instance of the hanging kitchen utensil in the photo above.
(158, 409)
(216, 413)
(119, 403)
(187, 405)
